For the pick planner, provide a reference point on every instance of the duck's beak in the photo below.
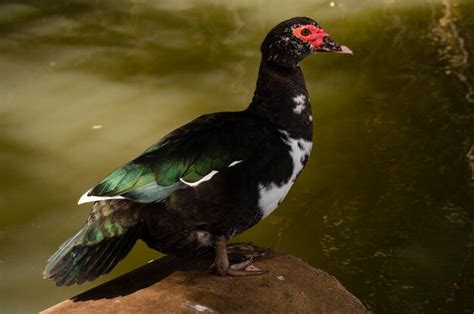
(328, 45)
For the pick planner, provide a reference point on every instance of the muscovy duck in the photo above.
(210, 179)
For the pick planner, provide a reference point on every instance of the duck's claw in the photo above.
(245, 253)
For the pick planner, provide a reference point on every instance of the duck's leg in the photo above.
(221, 260)
(223, 267)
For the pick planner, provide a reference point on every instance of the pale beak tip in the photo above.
(346, 50)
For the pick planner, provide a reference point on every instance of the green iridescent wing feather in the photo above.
(189, 153)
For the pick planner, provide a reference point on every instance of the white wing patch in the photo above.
(300, 101)
(91, 198)
(234, 163)
(209, 175)
(203, 179)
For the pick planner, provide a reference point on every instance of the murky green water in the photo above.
(386, 203)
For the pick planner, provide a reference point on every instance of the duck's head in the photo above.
(292, 40)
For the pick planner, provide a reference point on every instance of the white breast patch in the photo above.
(299, 101)
(271, 195)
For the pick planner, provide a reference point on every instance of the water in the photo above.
(386, 202)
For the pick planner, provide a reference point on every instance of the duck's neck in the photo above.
(281, 97)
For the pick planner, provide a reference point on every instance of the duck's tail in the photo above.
(106, 238)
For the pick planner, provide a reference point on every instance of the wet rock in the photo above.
(176, 285)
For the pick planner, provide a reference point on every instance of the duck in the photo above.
(209, 180)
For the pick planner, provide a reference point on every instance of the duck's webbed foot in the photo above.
(243, 268)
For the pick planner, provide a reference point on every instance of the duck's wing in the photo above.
(186, 157)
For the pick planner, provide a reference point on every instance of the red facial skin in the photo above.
(315, 36)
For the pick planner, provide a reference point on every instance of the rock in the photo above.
(178, 285)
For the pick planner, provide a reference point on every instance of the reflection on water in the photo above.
(452, 48)
(385, 203)
(470, 157)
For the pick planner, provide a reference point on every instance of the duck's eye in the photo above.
(305, 32)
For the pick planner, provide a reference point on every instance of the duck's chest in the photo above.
(271, 193)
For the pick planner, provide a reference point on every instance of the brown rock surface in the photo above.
(176, 285)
